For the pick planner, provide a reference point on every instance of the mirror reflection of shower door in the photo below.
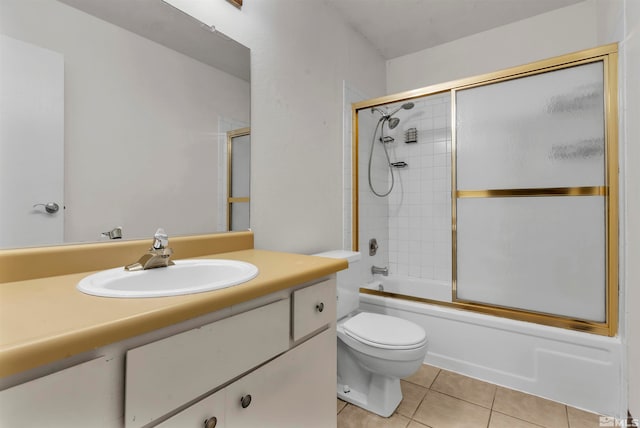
(31, 123)
(238, 179)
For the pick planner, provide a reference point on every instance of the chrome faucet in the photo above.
(383, 270)
(115, 233)
(158, 255)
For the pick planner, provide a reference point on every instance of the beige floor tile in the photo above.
(581, 419)
(465, 388)
(414, 424)
(412, 395)
(341, 404)
(498, 420)
(425, 375)
(355, 417)
(530, 408)
(442, 411)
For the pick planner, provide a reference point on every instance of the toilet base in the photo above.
(382, 398)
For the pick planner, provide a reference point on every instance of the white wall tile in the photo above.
(417, 227)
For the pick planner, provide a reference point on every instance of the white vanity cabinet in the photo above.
(272, 366)
(168, 373)
(278, 349)
(290, 391)
(79, 396)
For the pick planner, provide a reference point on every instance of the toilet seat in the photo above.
(384, 331)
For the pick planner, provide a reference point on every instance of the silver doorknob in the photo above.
(49, 207)
(211, 422)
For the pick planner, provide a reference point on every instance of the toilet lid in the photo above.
(384, 331)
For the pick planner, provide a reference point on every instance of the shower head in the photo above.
(405, 106)
(392, 122)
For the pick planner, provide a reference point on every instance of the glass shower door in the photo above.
(531, 193)
(239, 178)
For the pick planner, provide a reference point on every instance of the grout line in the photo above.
(520, 419)
(462, 399)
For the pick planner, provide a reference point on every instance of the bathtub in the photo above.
(579, 369)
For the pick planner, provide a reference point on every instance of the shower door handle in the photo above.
(49, 207)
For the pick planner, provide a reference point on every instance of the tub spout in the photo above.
(383, 270)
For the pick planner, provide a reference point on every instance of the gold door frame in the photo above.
(608, 54)
(230, 200)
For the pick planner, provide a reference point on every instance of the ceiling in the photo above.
(400, 27)
(161, 22)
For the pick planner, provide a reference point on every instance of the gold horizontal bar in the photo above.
(243, 199)
(561, 61)
(520, 315)
(549, 191)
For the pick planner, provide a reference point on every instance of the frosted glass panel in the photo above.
(239, 216)
(542, 254)
(545, 130)
(240, 166)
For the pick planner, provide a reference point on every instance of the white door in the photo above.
(31, 145)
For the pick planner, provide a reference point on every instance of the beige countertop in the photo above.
(44, 320)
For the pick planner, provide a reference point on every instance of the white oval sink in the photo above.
(185, 277)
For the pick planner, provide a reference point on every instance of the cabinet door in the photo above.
(165, 375)
(200, 414)
(80, 396)
(313, 308)
(295, 390)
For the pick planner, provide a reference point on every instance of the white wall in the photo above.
(631, 71)
(561, 31)
(301, 52)
(141, 124)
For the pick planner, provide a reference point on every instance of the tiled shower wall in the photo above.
(420, 208)
(412, 224)
(373, 211)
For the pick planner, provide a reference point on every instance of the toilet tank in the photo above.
(348, 281)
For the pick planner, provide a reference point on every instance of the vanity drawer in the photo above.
(67, 398)
(166, 374)
(313, 308)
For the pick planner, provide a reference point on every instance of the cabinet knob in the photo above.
(245, 401)
(211, 422)
(320, 307)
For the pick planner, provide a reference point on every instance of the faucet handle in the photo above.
(160, 239)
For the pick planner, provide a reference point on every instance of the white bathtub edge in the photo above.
(579, 369)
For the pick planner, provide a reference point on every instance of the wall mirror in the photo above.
(116, 111)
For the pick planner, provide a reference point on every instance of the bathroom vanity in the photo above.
(261, 353)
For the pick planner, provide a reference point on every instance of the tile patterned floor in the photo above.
(435, 398)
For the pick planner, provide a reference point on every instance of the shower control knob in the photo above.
(320, 307)
(211, 422)
(245, 401)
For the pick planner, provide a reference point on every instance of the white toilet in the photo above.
(374, 350)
